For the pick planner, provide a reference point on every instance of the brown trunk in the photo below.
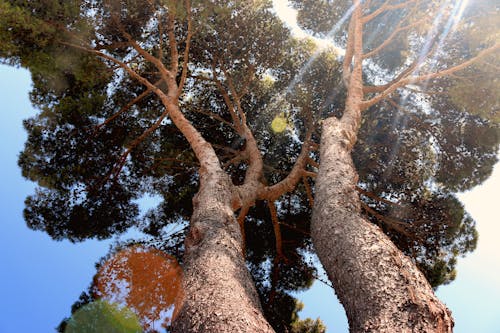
(380, 288)
(220, 294)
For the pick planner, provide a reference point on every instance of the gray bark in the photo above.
(380, 288)
(219, 293)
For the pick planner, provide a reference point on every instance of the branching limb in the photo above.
(174, 53)
(202, 149)
(227, 99)
(314, 146)
(412, 68)
(237, 95)
(349, 54)
(215, 116)
(187, 47)
(124, 66)
(276, 228)
(113, 174)
(399, 77)
(392, 36)
(384, 8)
(351, 119)
(126, 107)
(414, 79)
(309, 174)
(308, 191)
(312, 162)
(241, 221)
(375, 197)
(164, 72)
(288, 184)
(232, 98)
(398, 226)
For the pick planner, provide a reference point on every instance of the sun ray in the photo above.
(454, 15)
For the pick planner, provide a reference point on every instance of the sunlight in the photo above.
(454, 10)
(454, 18)
(289, 15)
(459, 10)
(445, 22)
(279, 123)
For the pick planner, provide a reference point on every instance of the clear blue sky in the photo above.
(41, 278)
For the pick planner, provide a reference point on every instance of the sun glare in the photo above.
(289, 15)
(459, 10)
(279, 124)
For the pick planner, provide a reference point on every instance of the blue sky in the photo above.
(42, 278)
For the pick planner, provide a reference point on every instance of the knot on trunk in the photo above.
(194, 237)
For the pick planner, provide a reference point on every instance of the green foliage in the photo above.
(475, 89)
(432, 139)
(102, 316)
(479, 97)
(321, 16)
(417, 160)
(307, 325)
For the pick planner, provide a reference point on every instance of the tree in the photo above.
(130, 91)
(91, 196)
(103, 316)
(381, 289)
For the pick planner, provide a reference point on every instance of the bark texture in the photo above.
(220, 294)
(380, 288)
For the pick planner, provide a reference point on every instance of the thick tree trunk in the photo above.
(380, 288)
(219, 293)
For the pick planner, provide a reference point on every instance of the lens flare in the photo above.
(279, 124)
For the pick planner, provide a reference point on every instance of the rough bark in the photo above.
(219, 293)
(380, 288)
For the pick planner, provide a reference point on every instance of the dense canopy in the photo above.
(103, 139)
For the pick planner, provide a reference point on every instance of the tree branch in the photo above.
(391, 37)
(174, 53)
(236, 96)
(241, 221)
(124, 66)
(276, 228)
(125, 108)
(123, 157)
(349, 54)
(227, 100)
(288, 184)
(374, 196)
(164, 72)
(187, 47)
(310, 197)
(391, 223)
(384, 8)
(215, 116)
(414, 79)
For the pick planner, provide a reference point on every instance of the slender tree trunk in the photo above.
(380, 288)
(219, 293)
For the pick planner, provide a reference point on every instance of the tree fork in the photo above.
(220, 295)
(380, 288)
